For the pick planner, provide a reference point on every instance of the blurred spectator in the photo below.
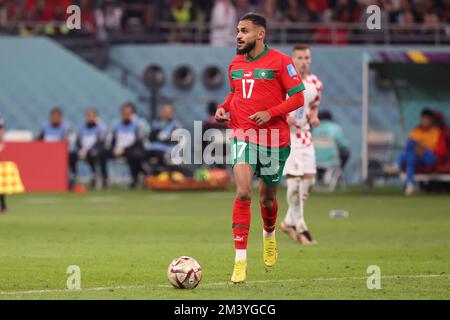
(161, 144)
(316, 9)
(137, 15)
(102, 16)
(10, 11)
(88, 24)
(271, 11)
(48, 16)
(330, 129)
(347, 11)
(108, 18)
(55, 129)
(211, 123)
(327, 35)
(292, 13)
(444, 10)
(223, 24)
(243, 7)
(425, 144)
(429, 16)
(127, 142)
(47, 10)
(90, 147)
(180, 12)
(405, 14)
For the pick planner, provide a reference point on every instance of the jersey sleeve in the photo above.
(289, 77)
(319, 86)
(230, 78)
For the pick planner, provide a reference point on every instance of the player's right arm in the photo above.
(221, 113)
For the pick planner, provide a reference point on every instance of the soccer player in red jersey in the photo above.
(260, 78)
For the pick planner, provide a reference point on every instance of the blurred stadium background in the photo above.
(103, 65)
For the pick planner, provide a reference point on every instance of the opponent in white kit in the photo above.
(300, 167)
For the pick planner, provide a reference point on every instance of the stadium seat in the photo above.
(328, 163)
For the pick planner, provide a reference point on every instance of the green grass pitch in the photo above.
(123, 242)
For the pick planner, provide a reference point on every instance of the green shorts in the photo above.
(267, 163)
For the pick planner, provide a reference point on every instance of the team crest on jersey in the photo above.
(299, 113)
(291, 70)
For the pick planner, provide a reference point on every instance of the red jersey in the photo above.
(258, 85)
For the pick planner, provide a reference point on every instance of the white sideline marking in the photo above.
(216, 284)
(215, 195)
(166, 197)
(103, 199)
(42, 200)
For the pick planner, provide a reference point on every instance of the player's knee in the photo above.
(244, 194)
(266, 201)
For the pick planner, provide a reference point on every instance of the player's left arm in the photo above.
(293, 85)
(313, 116)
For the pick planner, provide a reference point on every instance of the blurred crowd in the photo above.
(100, 17)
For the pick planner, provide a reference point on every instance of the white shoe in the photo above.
(409, 191)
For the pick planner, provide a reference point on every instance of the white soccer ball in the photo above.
(184, 273)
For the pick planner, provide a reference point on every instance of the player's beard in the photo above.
(248, 47)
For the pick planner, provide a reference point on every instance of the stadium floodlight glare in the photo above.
(183, 77)
(154, 77)
(213, 78)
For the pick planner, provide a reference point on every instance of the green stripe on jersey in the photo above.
(266, 74)
(237, 74)
(296, 89)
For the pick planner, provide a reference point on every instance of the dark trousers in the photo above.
(344, 154)
(410, 159)
(134, 156)
(2, 203)
(95, 157)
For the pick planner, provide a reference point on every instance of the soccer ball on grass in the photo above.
(184, 273)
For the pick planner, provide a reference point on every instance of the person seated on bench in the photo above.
(211, 123)
(424, 145)
(127, 142)
(56, 129)
(330, 129)
(161, 144)
(90, 147)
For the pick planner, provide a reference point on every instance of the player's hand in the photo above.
(291, 120)
(314, 121)
(221, 115)
(118, 152)
(82, 154)
(260, 117)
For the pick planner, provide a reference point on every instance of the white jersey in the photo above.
(302, 159)
(301, 130)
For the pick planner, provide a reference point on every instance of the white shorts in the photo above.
(302, 160)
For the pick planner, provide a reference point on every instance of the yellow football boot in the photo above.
(239, 272)
(270, 251)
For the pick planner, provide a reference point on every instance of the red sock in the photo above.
(269, 216)
(241, 223)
